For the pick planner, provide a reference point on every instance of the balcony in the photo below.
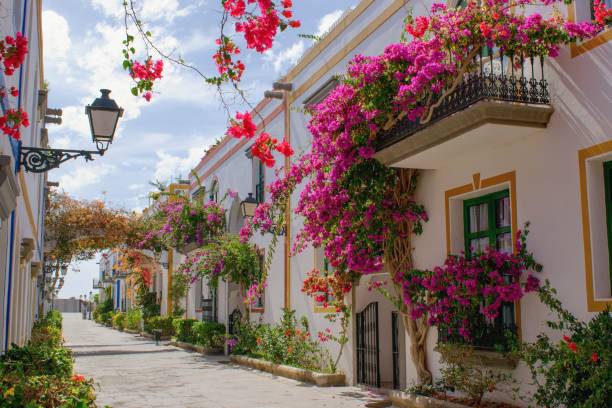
(495, 101)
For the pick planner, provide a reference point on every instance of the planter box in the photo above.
(198, 349)
(320, 379)
(131, 331)
(405, 400)
(150, 336)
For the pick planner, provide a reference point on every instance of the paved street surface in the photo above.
(130, 371)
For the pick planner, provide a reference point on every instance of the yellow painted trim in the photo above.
(347, 49)
(593, 304)
(457, 191)
(26, 201)
(170, 271)
(321, 309)
(317, 49)
(585, 46)
(505, 178)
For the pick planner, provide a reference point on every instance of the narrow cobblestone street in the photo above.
(130, 371)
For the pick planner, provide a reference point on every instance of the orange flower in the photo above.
(78, 378)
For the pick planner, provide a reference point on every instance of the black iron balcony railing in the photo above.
(504, 77)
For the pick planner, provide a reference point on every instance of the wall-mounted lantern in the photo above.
(103, 114)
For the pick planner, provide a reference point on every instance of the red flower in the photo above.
(242, 126)
(287, 13)
(14, 91)
(295, 23)
(147, 96)
(285, 149)
(78, 378)
(485, 29)
(594, 357)
(419, 28)
(287, 3)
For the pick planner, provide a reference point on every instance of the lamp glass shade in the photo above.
(103, 113)
(248, 206)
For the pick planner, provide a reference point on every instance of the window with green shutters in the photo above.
(487, 222)
(607, 166)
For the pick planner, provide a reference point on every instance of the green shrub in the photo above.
(160, 323)
(48, 336)
(208, 334)
(119, 320)
(183, 329)
(133, 319)
(576, 371)
(54, 318)
(38, 360)
(245, 342)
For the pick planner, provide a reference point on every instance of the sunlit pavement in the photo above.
(130, 371)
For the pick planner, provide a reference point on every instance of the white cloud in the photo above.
(85, 175)
(328, 20)
(289, 56)
(136, 186)
(151, 10)
(56, 34)
(169, 166)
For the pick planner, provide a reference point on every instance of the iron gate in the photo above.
(234, 321)
(395, 350)
(368, 359)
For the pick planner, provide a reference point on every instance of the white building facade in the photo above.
(22, 195)
(546, 161)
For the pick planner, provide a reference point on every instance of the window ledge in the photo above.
(490, 359)
(257, 310)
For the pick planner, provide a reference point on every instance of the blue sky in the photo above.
(165, 138)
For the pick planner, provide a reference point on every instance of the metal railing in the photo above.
(504, 77)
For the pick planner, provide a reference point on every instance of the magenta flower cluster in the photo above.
(181, 222)
(455, 294)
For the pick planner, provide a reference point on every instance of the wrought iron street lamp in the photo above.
(103, 114)
(248, 206)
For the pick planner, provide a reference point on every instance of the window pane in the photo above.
(478, 218)
(504, 242)
(502, 212)
(479, 244)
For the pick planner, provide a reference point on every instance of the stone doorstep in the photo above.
(198, 349)
(294, 373)
(405, 400)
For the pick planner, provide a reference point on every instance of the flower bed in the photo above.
(300, 374)
(40, 374)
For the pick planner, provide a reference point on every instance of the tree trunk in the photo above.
(398, 258)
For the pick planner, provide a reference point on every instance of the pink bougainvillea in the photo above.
(453, 295)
